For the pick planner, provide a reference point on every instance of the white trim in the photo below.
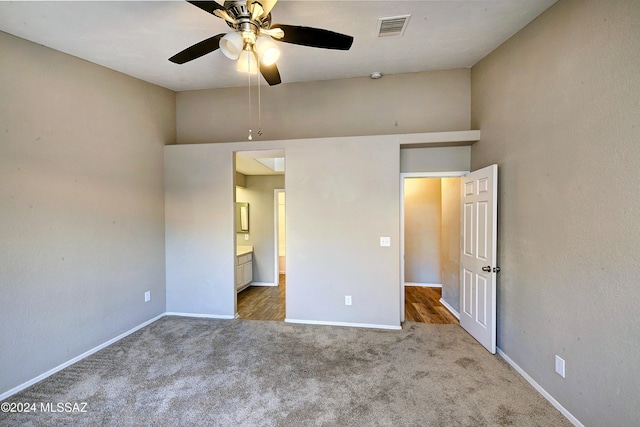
(401, 248)
(451, 174)
(404, 140)
(541, 390)
(403, 176)
(276, 237)
(352, 325)
(206, 316)
(262, 284)
(70, 362)
(428, 138)
(423, 285)
(451, 309)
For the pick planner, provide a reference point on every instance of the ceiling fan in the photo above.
(250, 42)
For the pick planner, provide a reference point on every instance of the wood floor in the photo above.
(422, 304)
(263, 302)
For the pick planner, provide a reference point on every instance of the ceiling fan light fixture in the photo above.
(247, 62)
(267, 50)
(231, 45)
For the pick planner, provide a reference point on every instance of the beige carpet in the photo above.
(183, 371)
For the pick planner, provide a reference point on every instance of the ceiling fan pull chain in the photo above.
(249, 74)
(259, 109)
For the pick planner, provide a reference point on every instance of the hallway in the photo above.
(422, 304)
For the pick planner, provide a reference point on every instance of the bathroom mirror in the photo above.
(242, 217)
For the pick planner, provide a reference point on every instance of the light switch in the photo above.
(385, 241)
(560, 366)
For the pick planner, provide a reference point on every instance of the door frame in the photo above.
(408, 175)
(276, 237)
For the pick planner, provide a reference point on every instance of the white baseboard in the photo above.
(451, 309)
(541, 390)
(76, 359)
(424, 285)
(352, 325)
(206, 316)
(262, 284)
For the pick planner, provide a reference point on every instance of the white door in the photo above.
(478, 255)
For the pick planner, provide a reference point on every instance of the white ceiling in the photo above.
(137, 38)
(247, 164)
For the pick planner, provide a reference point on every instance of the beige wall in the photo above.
(342, 196)
(450, 242)
(422, 230)
(559, 107)
(435, 159)
(342, 192)
(396, 104)
(199, 230)
(81, 206)
(241, 180)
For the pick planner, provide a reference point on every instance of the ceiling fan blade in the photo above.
(314, 37)
(270, 74)
(197, 50)
(208, 6)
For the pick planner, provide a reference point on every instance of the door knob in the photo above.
(487, 269)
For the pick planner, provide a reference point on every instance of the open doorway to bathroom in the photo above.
(430, 269)
(260, 286)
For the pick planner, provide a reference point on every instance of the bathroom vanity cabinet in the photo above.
(244, 267)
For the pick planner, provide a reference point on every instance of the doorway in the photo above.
(430, 245)
(259, 177)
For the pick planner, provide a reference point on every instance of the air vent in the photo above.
(392, 26)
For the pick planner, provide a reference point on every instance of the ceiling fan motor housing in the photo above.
(239, 11)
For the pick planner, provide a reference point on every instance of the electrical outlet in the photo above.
(560, 366)
(347, 300)
(246, 237)
(147, 296)
(385, 241)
